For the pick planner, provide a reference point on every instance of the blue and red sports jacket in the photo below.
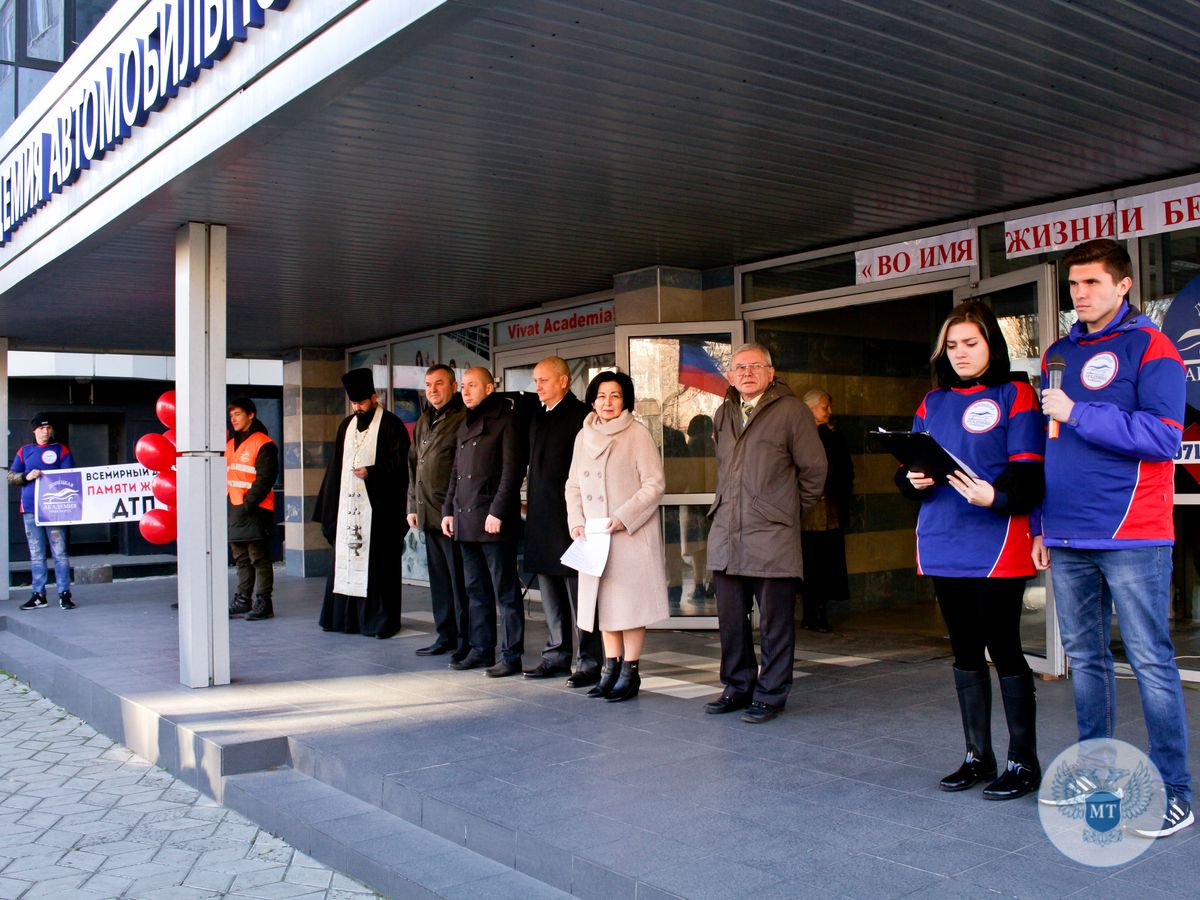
(988, 428)
(1110, 474)
(39, 456)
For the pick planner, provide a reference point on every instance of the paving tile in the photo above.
(1018, 876)
(711, 878)
(939, 853)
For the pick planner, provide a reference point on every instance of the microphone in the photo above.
(1054, 376)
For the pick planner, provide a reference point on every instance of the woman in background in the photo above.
(823, 529)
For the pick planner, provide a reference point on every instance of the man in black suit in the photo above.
(552, 432)
(482, 511)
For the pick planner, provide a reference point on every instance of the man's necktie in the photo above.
(747, 408)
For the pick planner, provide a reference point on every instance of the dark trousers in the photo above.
(983, 613)
(447, 590)
(490, 571)
(740, 672)
(254, 572)
(560, 594)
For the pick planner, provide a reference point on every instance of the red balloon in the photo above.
(165, 409)
(155, 452)
(169, 434)
(163, 487)
(159, 526)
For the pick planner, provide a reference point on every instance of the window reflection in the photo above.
(680, 383)
(685, 542)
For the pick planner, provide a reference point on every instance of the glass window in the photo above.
(1016, 311)
(8, 95)
(1168, 262)
(29, 82)
(685, 542)
(87, 14)
(798, 278)
(375, 359)
(410, 359)
(44, 29)
(8, 31)
(466, 347)
(680, 382)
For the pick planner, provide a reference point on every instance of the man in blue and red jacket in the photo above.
(1107, 518)
(27, 466)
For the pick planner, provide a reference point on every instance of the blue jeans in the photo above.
(1088, 584)
(37, 535)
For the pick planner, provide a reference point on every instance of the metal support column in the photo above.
(200, 437)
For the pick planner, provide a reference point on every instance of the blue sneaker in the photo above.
(1177, 817)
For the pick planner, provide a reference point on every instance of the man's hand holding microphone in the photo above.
(1055, 403)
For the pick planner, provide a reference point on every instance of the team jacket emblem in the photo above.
(981, 416)
(1099, 371)
(49, 457)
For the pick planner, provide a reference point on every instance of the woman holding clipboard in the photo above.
(974, 537)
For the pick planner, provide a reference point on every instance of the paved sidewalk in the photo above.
(83, 817)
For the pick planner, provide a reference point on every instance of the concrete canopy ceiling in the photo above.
(513, 153)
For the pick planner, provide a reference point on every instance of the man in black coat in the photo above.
(251, 466)
(552, 431)
(429, 463)
(483, 513)
(361, 508)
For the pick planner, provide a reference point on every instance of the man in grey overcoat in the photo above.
(770, 470)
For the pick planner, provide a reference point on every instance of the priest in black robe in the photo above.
(361, 508)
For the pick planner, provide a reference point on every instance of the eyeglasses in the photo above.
(741, 368)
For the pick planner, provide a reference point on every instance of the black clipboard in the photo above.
(921, 453)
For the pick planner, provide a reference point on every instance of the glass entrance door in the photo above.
(1025, 305)
(679, 373)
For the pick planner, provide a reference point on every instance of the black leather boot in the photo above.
(975, 704)
(627, 685)
(1023, 774)
(239, 606)
(608, 677)
(263, 609)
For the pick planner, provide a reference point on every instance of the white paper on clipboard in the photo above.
(589, 556)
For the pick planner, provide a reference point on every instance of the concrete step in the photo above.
(489, 817)
(249, 772)
(393, 856)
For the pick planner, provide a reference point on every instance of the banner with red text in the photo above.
(1059, 230)
(1161, 211)
(931, 254)
(558, 324)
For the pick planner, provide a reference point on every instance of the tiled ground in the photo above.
(646, 800)
(82, 817)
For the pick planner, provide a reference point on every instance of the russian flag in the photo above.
(699, 370)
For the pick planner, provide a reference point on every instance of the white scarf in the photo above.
(353, 548)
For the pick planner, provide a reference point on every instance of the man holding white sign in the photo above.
(27, 466)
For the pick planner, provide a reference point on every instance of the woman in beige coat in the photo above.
(617, 474)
